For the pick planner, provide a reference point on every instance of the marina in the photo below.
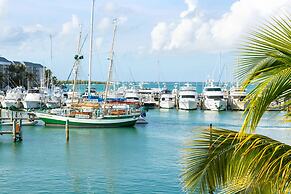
(146, 97)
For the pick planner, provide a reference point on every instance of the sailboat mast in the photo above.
(110, 61)
(91, 48)
(77, 62)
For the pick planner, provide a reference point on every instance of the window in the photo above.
(188, 96)
(215, 97)
(213, 89)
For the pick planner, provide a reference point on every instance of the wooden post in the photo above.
(14, 130)
(20, 130)
(67, 131)
(177, 101)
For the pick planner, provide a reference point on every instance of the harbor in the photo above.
(145, 97)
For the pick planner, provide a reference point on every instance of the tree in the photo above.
(224, 161)
(16, 74)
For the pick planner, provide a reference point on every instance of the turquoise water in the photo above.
(143, 159)
(169, 85)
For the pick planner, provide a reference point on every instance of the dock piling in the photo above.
(14, 130)
(67, 131)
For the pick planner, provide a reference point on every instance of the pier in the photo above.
(16, 131)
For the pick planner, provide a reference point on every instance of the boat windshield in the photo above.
(188, 96)
(132, 98)
(213, 89)
(215, 97)
(33, 91)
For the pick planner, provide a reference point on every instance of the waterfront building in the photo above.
(31, 77)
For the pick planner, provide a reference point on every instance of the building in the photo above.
(36, 70)
(4, 64)
(32, 76)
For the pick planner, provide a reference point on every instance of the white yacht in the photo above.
(13, 98)
(236, 98)
(188, 99)
(213, 97)
(131, 95)
(167, 100)
(33, 99)
(149, 97)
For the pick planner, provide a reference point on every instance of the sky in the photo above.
(156, 40)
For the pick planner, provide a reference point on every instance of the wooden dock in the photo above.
(15, 132)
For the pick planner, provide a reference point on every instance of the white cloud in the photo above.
(104, 24)
(99, 41)
(73, 24)
(15, 35)
(109, 7)
(34, 28)
(160, 36)
(192, 31)
(192, 5)
(122, 19)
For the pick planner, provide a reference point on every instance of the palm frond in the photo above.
(266, 62)
(224, 161)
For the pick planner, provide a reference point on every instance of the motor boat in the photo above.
(34, 99)
(188, 99)
(13, 98)
(236, 98)
(167, 100)
(213, 97)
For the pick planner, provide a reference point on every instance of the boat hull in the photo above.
(31, 104)
(237, 105)
(54, 120)
(187, 104)
(215, 105)
(167, 104)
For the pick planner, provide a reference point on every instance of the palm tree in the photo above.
(223, 161)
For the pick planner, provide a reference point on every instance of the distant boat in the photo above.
(167, 100)
(236, 98)
(188, 99)
(131, 95)
(33, 99)
(213, 97)
(150, 97)
(13, 98)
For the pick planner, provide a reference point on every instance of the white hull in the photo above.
(31, 104)
(187, 104)
(167, 104)
(215, 105)
(237, 104)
